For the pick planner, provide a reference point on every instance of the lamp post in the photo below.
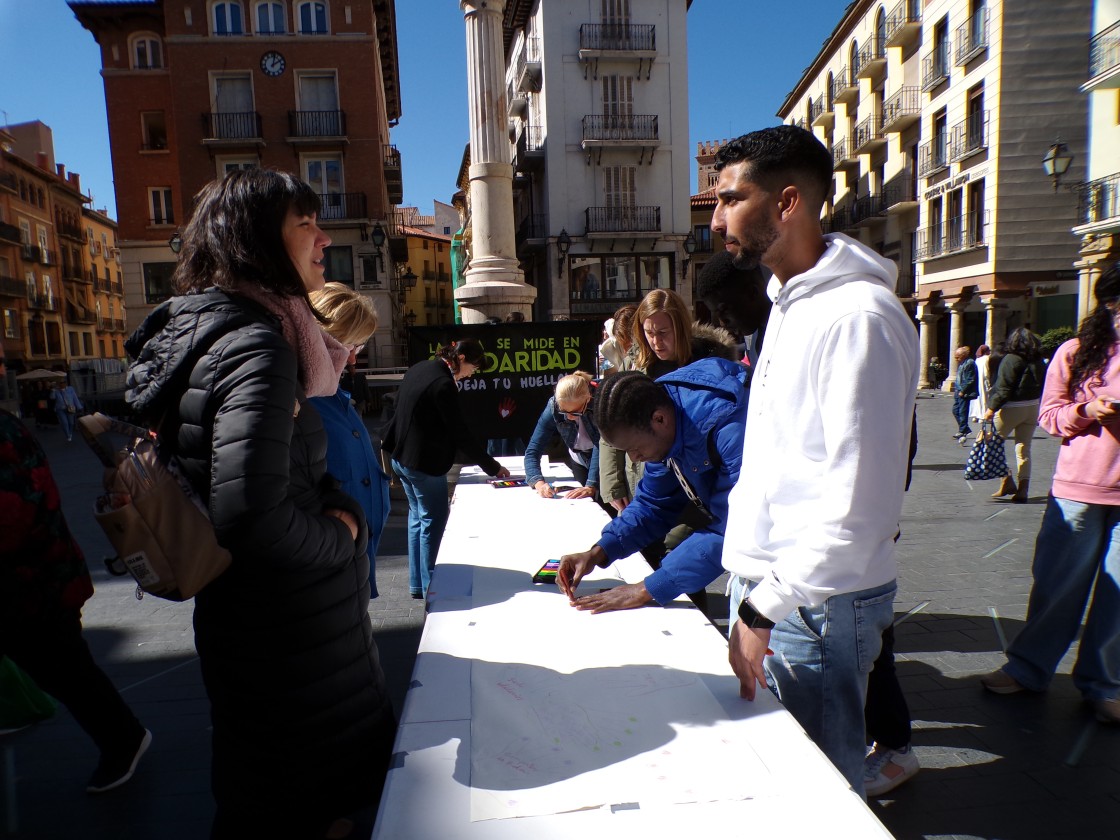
(1056, 161)
(563, 243)
(689, 249)
(377, 237)
(405, 281)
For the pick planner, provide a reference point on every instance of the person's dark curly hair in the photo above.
(628, 400)
(1025, 344)
(235, 234)
(782, 155)
(470, 349)
(1097, 336)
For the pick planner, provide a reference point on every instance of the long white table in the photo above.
(527, 718)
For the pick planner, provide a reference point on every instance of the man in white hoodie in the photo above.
(812, 521)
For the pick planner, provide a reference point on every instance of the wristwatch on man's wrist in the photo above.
(752, 618)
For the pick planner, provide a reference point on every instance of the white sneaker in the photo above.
(885, 769)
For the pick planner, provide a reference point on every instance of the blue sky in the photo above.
(744, 56)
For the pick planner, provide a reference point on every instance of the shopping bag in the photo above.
(986, 460)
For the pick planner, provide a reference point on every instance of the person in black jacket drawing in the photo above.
(423, 436)
(302, 725)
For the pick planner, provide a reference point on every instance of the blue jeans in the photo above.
(822, 656)
(427, 517)
(960, 412)
(1078, 544)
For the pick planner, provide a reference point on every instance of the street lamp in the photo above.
(1056, 161)
(689, 249)
(175, 243)
(405, 281)
(563, 243)
(377, 237)
(410, 319)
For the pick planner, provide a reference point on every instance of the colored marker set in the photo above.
(507, 482)
(547, 573)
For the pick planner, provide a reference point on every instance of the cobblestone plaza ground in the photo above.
(999, 768)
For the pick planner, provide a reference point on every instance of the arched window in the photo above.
(311, 17)
(881, 31)
(853, 63)
(270, 18)
(146, 51)
(227, 19)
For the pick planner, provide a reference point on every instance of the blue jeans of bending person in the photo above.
(1078, 544)
(822, 656)
(428, 509)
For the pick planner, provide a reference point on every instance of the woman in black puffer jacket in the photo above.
(302, 725)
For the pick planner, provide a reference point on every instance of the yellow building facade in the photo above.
(938, 115)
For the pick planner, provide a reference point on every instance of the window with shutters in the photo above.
(619, 190)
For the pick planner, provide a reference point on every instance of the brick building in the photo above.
(194, 89)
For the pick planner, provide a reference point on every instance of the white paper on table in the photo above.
(546, 740)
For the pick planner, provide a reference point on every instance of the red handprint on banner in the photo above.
(506, 407)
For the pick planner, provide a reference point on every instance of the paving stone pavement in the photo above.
(998, 768)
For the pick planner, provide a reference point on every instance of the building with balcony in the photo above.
(195, 90)
(938, 121)
(1098, 196)
(601, 171)
(429, 300)
(45, 300)
(107, 281)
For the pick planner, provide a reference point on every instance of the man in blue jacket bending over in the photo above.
(687, 427)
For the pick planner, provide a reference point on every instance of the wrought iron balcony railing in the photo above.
(969, 137)
(334, 206)
(619, 127)
(316, 123)
(871, 58)
(902, 109)
(244, 125)
(972, 38)
(935, 67)
(1099, 200)
(632, 219)
(933, 156)
(844, 85)
(617, 37)
(868, 133)
(956, 235)
(1104, 51)
(905, 20)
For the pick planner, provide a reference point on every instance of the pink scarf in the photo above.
(321, 358)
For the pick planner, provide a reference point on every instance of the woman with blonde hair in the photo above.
(351, 319)
(570, 413)
(665, 338)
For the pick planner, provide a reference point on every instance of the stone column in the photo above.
(494, 283)
(927, 337)
(956, 339)
(995, 329)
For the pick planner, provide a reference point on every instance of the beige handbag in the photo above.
(156, 522)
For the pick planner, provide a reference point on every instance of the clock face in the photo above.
(272, 63)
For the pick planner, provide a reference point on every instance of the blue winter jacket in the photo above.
(710, 396)
(552, 420)
(351, 460)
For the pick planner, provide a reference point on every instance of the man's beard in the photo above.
(753, 245)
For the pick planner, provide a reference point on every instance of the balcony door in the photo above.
(324, 174)
(233, 107)
(318, 105)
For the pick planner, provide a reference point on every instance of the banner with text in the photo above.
(523, 363)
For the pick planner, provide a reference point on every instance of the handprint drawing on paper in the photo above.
(506, 407)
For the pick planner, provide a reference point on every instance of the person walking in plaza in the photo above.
(1013, 402)
(811, 526)
(979, 405)
(1077, 552)
(66, 407)
(687, 429)
(964, 390)
(44, 582)
(427, 429)
(302, 725)
(351, 320)
(569, 413)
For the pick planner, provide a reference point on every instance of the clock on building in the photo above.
(272, 63)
